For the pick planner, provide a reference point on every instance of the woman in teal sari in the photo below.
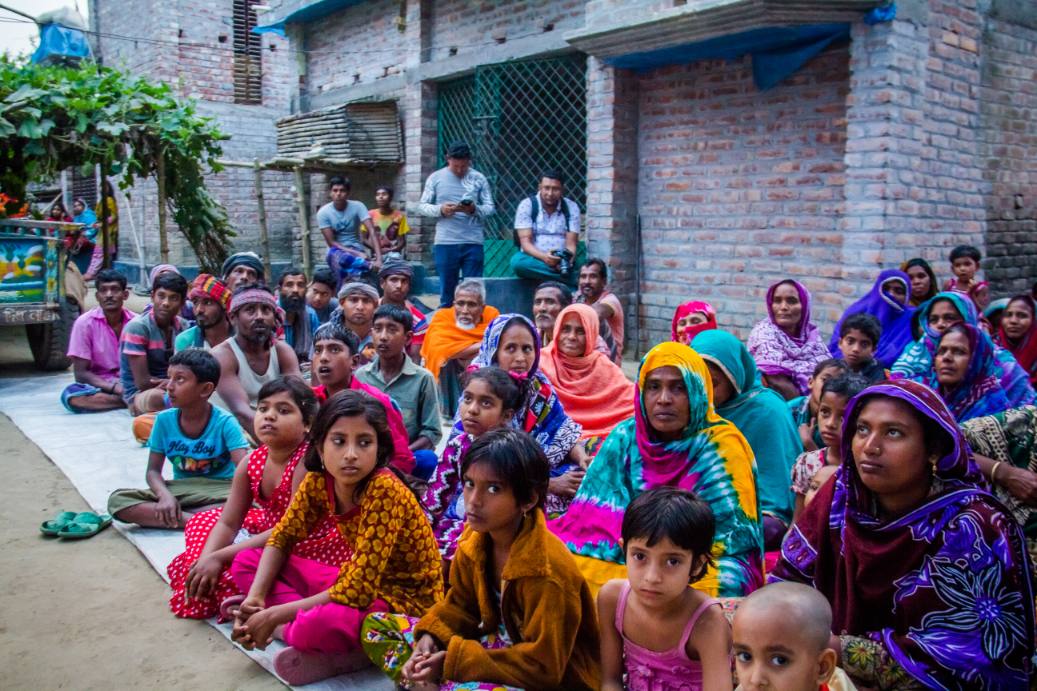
(763, 417)
(674, 439)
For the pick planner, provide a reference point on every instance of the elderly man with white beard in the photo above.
(453, 339)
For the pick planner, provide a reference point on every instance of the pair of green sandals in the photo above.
(69, 525)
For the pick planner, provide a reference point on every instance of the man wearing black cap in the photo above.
(460, 198)
(243, 268)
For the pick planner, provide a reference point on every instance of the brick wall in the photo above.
(357, 45)
(1009, 143)
(611, 218)
(738, 188)
(462, 27)
(181, 45)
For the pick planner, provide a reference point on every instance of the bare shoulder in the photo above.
(609, 593)
(286, 358)
(712, 630)
(225, 356)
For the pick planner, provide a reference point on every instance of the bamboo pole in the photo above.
(264, 234)
(304, 221)
(163, 238)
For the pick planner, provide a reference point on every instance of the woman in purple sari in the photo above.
(887, 302)
(785, 345)
(927, 574)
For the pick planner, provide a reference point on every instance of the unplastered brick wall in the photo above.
(1009, 140)
(184, 50)
(356, 45)
(611, 214)
(738, 188)
(463, 27)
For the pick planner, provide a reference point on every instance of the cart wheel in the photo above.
(49, 342)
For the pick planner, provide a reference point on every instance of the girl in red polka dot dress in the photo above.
(261, 491)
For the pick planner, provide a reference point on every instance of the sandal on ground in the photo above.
(84, 525)
(298, 668)
(228, 606)
(51, 527)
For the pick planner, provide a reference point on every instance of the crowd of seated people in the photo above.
(470, 499)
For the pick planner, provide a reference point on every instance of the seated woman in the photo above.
(1005, 448)
(912, 554)
(512, 343)
(934, 318)
(1018, 333)
(592, 388)
(785, 345)
(924, 285)
(965, 373)
(690, 319)
(887, 302)
(763, 417)
(674, 439)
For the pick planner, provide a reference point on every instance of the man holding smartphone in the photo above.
(460, 198)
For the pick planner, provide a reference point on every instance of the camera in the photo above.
(566, 265)
(466, 201)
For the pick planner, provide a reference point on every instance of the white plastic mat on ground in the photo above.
(98, 454)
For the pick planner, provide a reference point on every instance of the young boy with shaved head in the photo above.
(782, 641)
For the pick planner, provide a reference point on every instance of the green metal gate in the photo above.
(519, 118)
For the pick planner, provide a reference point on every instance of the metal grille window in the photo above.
(248, 54)
(519, 118)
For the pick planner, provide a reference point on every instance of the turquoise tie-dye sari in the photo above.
(711, 459)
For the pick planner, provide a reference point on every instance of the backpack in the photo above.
(534, 211)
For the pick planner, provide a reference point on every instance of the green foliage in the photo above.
(56, 117)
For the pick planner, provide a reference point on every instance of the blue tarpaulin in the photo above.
(308, 12)
(59, 42)
(776, 52)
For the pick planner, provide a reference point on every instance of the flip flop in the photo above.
(229, 604)
(51, 527)
(84, 525)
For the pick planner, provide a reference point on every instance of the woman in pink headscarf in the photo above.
(690, 319)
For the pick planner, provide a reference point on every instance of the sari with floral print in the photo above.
(939, 597)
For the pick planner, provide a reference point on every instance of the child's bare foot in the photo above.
(297, 667)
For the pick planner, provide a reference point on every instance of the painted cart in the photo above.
(32, 287)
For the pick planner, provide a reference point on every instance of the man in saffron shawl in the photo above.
(453, 339)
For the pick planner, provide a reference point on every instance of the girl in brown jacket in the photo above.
(518, 612)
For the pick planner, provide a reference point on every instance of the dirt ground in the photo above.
(89, 614)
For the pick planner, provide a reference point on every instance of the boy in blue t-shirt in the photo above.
(204, 443)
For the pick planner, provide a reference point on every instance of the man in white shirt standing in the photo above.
(460, 198)
(548, 228)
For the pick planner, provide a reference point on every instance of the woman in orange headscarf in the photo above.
(593, 389)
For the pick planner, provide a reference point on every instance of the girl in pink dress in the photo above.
(656, 632)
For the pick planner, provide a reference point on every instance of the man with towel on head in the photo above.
(211, 300)
(254, 356)
(395, 279)
(357, 302)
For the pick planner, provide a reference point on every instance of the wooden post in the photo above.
(264, 235)
(106, 256)
(163, 239)
(304, 221)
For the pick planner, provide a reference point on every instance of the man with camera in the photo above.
(460, 198)
(547, 228)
